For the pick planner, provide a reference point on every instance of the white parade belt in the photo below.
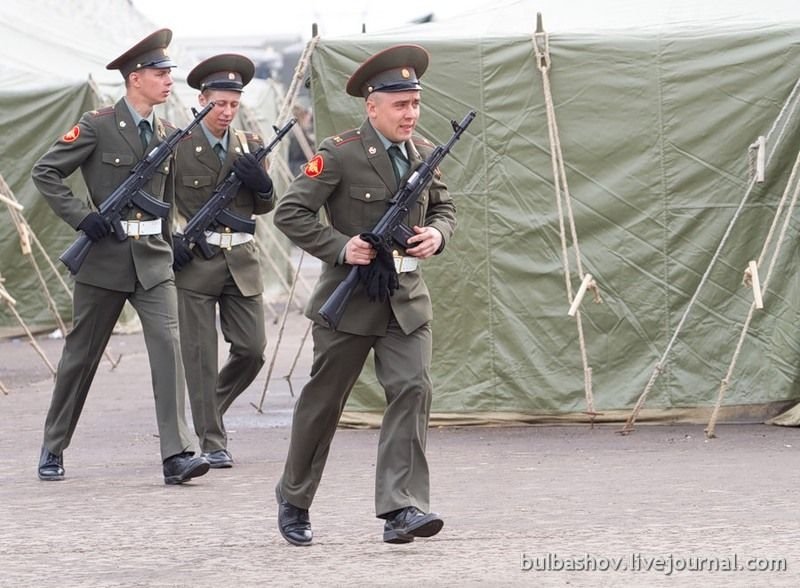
(227, 240)
(137, 228)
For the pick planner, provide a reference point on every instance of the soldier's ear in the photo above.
(372, 107)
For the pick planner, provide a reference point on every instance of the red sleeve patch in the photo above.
(72, 135)
(314, 167)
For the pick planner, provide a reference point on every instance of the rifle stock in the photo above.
(390, 226)
(131, 193)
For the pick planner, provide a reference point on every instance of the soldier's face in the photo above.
(394, 114)
(226, 105)
(154, 85)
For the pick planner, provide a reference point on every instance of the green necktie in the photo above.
(144, 133)
(220, 151)
(399, 162)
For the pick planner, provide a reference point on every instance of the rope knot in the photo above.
(595, 291)
(747, 278)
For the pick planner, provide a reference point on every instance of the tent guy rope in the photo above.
(26, 235)
(541, 45)
(290, 98)
(762, 288)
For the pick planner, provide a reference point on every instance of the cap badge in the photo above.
(405, 73)
(72, 135)
(231, 76)
(314, 167)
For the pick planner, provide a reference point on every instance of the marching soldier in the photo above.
(105, 145)
(231, 280)
(353, 176)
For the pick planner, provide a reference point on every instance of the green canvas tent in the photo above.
(52, 70)
(655, 125)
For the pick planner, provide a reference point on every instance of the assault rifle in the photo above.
(214, 211)
(130, 193)
(391, 227)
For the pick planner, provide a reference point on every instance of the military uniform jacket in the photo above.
(352, 179)
(105, 145)
(198, 171)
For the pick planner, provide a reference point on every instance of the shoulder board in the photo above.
(346, 137)
(102, 111)
(254, 137)
(168, 124)
(419, 140)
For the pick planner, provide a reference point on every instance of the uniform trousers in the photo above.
(95, 312)
(402, 366)
(213, 390)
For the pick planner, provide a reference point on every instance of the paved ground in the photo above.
(544, 506)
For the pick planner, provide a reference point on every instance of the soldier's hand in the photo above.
(252, 174)
(95, 226)
(181, 254)
(358, 252)
(426, 242)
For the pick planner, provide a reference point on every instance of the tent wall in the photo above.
(28, 123)
(655, 128)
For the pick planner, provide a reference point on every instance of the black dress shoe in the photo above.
(411, 522)
(182, 467)
(219, 459)
(293, 523)
(51, 466)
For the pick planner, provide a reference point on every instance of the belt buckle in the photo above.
(132, 228)
(404, 263)
(226, 240)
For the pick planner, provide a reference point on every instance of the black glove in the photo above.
(181, 254)
(379, 277)
(252, 174)
(95, 226)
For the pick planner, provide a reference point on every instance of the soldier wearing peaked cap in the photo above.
(231, 279)
(105, 145)
(353, 176)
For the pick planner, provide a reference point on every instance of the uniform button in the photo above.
(196, 182)
(139, 215)
(116, 160)
(227, 229)
(367, 195)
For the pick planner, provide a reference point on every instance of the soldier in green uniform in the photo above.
(231, 279)
(353, 176)
(105, 145)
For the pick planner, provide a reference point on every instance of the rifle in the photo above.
(390, 226)
(214, 211)
(131, 193)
